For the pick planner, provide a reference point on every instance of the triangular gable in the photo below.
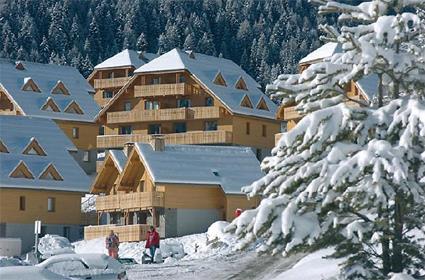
(74, 108)
(30, 85)
(133, 171)
(106, 177)
(34, 148)
(262, 105)
(21, 171)
(60, 88)
(50, 173)
(50, 105)
(240, 84)
(219, 80)
(246, 102)
(19, 65)
(3, 147)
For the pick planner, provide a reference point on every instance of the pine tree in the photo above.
(142, 44)
(353, 177)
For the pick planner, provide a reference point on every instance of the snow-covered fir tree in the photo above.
(353, 177)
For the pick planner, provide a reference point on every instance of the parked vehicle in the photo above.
(85, 266)
(67, 267)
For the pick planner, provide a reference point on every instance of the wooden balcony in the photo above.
(127, 233)
(162, 90)
(290, 113)
(173, 114)
(130, 201)
(192, 137)
(110, 83)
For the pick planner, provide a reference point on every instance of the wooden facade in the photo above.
(182, 109)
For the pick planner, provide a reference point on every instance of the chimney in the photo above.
(128, 147)
(158, 142)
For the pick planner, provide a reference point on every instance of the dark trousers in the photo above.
(152, 250)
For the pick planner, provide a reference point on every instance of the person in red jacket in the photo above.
(112, 243)
(152, 241)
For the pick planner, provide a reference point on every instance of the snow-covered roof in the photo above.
(126, 58)
(324, 51)
(230, 167)
(16, 132)
(205, 68)
(369, 85)
(46, 77)
(119, 157)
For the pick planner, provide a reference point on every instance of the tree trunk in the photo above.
(380, 92)
(397, 256)
(385, 243)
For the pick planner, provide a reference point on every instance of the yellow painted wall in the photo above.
(87, 133)
(67, 206)
(255, 137)
(241, 201)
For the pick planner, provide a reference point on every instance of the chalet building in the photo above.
(59, 93)
(362, 90)
(182, 189)
(112, 74)
(190, 98)
(39, 180)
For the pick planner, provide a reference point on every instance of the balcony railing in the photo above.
(110, 83)
(192, 137)
(291, 113)
(162, 90)
(130, 201)
(173, 114)
(128, 233)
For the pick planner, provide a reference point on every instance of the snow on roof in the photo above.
(119, 157)
(369, 85)
(46, 77)
(16, 132)
(327, 50)
(126, 58)
(230, 167)
(205, 68)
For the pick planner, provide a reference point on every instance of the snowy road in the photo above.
(232, 267)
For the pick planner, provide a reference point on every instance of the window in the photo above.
(247, 128)
(67, 232)
(262, 105)
(86, 156)
(51, 173)
(209, 101)
(151, 105)
(30, 85)
(180, 127)
(210, 125)
(3, 148)
(74, 108)
(264, 130)
(125, 129)
(60, 88)
(21, 171)
(246, 102)
(22, 203)
(127, 106)
(182, 79)
(75, 132)
(50, 105)
(184, 103)
(34, 148)
(102, 130)
(156, 81)
(154, 129)
(111, 75)
(107, 94)
(51, 204)
(219, 80)
(240, 84)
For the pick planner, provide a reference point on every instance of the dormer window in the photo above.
(262, 105)
(21, 171)
(50, 105)
(19, 65)
(246, 102)
(30, 85)
(240, 84)
(50, 173)
(74, 108)
(219, 80)
(3, 148)
(34, 148)
(60, 88)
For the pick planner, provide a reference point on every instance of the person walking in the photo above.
(112, 243)
(152, 241)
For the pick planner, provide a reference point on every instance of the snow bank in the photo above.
(314, 267)
(51, 245)
(9, 261)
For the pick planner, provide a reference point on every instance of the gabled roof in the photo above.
(126, 58)
(205, 68)
(230, 167)
(325, 51)
(46, 76)
(119, 158)
(16, 132)
(106, 176)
